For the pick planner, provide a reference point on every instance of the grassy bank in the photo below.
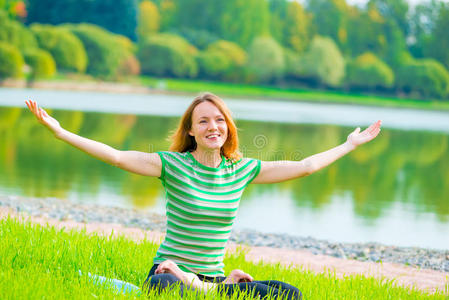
(43, 262)
(261, 92)
(247, 91)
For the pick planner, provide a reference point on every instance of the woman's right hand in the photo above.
(42, 117)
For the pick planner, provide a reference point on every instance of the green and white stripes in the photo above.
(202, 203)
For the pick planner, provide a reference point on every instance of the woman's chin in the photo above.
(213, 145)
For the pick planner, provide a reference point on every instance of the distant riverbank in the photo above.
(192, 87)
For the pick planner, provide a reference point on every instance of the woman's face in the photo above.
(208, 126)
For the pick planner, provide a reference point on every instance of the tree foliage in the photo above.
(230, 57)
(41, 62)
(168, 55)
(331, 19)
(439, 42)
(427, 77)
(323, 62)
(265, 60)
(14, 33)
(104, 50)
(118, 16)
(11, 61)
(368, 71)
(148, 19)
(244, 20)
(66, 49)
(297, 29)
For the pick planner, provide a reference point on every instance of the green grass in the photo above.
(261, 92)
(42, 262)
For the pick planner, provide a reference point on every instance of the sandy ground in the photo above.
(426, 280)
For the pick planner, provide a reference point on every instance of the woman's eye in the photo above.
(221, 119)
(203, 121)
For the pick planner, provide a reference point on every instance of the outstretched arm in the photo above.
(148, 164)
(278, 171)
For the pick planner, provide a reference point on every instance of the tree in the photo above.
(67, 50)
(330, 17)
(105, 50)
(278, 11)
(199, 15)
(119, 16)
(11, 61)
(323, 62)
(393, 10)
(265, 60)
(368, 71)
(427, 77)
(439, 42)
(244, 20)
(422, 24)
(297, 29)
(168, 55)
(365, 32)
(148, 19)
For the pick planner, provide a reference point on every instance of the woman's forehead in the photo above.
(206, 109)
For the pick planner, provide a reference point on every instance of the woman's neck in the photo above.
(211, 158)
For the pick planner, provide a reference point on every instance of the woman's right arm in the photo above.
(142, 163)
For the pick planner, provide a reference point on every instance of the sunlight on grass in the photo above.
(44, 262)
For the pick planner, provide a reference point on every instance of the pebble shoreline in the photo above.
(87, 213)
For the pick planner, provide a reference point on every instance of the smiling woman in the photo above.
(204, 176)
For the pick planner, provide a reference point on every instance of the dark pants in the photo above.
(275, 288)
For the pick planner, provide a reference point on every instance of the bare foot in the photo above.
(170, 267)
(237, 276)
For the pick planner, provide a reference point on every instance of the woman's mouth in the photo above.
(212, 136)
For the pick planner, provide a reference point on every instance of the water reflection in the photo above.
(398, 169)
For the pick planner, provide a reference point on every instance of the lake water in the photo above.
(394, 190)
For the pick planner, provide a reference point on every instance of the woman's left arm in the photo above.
(278, 171)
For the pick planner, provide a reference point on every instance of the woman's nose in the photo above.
(212, 125)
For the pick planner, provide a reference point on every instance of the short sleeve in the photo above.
(164, 163)
(255, 165)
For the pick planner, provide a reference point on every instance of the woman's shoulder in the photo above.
(242, 161)
(173, 156)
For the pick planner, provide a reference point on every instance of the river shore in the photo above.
(64, 210)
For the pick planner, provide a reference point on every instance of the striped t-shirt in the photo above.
(201, 205)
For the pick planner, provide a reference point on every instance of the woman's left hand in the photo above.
(357, 138)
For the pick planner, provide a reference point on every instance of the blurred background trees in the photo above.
(383, 46)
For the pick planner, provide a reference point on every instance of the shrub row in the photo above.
(81, 48)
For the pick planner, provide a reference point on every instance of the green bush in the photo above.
(292, 63)
(105, 52)
(200, 38)
(427, 77)
(11, 61)
(168, 55)
(222, 60)
(237, 56)
(368, 71)
(213, 63)
(14, 33)
(129, 66)
(323, 62)
(41, 62)
(67, 50)
(266, 60)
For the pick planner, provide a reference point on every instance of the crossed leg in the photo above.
(168, 274)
